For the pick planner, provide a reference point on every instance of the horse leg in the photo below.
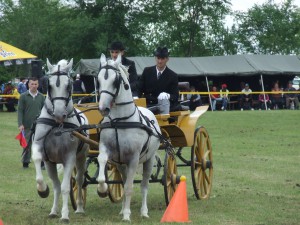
(128, 187)
(147, 170)
(52, 173)
(80, 166)
(65, 187)
(42, 187)
(102, 160)
(123, 170)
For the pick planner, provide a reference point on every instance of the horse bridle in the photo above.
(117, 83)
(66, 99)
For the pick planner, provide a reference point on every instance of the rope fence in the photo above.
(195, 92)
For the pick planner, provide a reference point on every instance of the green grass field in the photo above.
(256, 177)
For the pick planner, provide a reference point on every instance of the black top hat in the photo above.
(161, 52)
(117, 45)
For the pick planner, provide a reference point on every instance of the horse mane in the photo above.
(122, 68)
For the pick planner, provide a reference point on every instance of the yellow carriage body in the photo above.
(178, 126)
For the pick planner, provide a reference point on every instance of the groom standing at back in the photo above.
(159, 84)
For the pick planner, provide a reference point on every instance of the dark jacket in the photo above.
(77, 89)
(133, 77)
(151, 87)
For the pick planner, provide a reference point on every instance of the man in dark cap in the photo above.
(117, 48)
(159, 84)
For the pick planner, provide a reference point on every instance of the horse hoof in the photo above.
(44, 194)
(145, 216)
(80, 212)
(126, 220)
(64, 220)
(102, 195)
(53, 216)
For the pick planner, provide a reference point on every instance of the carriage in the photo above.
(130, 136)
(179, 129)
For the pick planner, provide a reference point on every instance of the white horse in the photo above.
(129, 134)
(54, 144)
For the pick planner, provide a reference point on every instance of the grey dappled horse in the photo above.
(129, 134)
(54, 144)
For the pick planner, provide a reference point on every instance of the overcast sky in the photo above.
(243, 5)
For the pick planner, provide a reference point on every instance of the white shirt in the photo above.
(157, 72)
(32, 94)
(247, 92)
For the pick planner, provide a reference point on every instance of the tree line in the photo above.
(57, 29)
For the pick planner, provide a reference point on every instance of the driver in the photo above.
(159, 84)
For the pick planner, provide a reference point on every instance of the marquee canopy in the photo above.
(239, 65)
(10, 55)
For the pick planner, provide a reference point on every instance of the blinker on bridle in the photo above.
(69, 89)
(117, 81)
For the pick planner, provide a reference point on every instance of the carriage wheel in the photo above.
(73, 191)
(170, 178)
(115, 191)
(202, 164)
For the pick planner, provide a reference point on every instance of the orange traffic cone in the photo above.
(177, 210)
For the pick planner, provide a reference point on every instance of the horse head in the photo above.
(110, 77)
(59, 94)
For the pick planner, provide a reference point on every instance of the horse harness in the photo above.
(65, 125)
(117, 124)
(66, 99)
(117, 83)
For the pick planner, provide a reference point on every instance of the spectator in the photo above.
(292, 101)
(214, 98)
(30, 104)
(246, 98)
(115, 49)
(16, 94)
(1, 101)
(159, 85)
(2, 87)
(276, 98)
(195, 99)
(224, 96)
(10, 101)
(264, 100)
(22, 85)
(78, 88)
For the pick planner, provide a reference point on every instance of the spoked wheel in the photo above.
(115, 191)
(170, 178)
(73, 191)
(202, 164)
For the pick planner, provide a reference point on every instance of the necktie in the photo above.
(158, 75)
